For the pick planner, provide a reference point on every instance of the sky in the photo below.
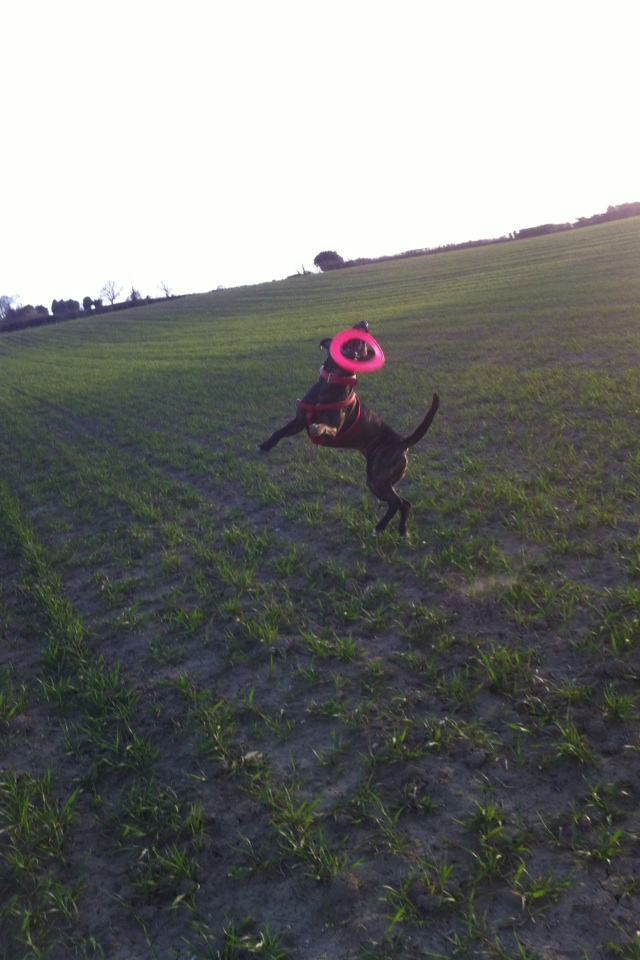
(208, 143)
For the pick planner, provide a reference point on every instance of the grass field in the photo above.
(234, 724)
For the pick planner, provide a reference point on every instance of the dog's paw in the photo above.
(322, 430)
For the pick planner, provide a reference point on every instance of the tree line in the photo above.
(331, 260)
(14, 316)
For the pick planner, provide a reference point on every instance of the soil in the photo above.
(389, 806)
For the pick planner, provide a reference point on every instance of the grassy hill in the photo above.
(235, 724)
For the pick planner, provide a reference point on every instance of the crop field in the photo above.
(234, 724)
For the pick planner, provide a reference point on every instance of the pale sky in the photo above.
(204, 143)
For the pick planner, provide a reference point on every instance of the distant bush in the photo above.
(542, 229)
(27, 316)
(328, 260)
(65, 308)
(619, 212)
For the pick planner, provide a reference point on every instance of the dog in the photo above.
(334, 416)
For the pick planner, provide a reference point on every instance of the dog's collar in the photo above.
(340, 381)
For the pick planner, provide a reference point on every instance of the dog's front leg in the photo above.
(290, 429)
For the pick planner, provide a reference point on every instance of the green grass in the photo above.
(232, 722)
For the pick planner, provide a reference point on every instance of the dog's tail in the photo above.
(420, 431)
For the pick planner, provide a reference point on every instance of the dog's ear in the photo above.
(324, 344)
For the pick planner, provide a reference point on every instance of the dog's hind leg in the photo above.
(383, 472)
(394, 503)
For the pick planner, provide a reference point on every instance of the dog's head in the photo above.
(355, 349)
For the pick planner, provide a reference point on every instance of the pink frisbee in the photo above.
(356, 366)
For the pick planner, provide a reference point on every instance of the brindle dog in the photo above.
(334, 416)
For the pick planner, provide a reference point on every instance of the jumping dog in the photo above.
(334, 416)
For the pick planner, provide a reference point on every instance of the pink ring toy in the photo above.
(356, 366)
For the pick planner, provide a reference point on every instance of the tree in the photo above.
(134, 296)
(110, 291)
(328, 260)
(166, 289)
(65, 308)
(12, 317)
(87, 304)
(6, 306)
